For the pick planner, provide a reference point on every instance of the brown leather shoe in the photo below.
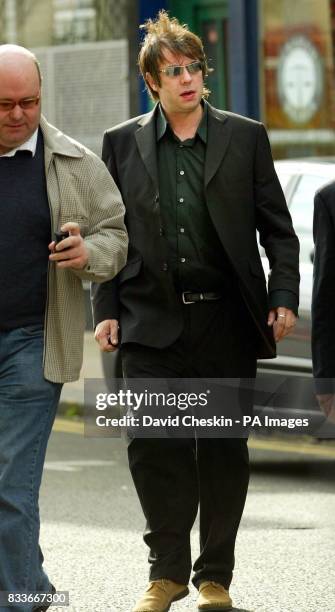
(159, 596)
(213, 596)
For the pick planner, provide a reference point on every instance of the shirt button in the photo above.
(164, 267)
(181, 200)
(182, 172)
(182, 260)
(182, 230)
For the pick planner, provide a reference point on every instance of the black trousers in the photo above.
(173, 477)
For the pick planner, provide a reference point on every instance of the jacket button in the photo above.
(157, 198)
(165, 267)
(161, 231)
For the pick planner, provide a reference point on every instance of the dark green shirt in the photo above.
(196, 256)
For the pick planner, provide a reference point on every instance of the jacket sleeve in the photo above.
(105, 296)
(273, 221)
(323, 297)
(105, 301)
(106, 238)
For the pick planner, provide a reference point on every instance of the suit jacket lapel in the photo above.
(219, 135)
(146, 142)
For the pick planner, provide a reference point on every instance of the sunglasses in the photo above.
(175, 71)
(25, 103)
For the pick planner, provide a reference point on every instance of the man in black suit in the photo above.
(192, 300)
(323, 299)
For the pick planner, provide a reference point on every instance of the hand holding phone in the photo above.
(73, 256)
(59, 236)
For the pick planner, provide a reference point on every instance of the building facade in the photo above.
(297, 75)
(272, 60)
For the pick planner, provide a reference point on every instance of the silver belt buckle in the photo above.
(185, 301)
(190, 301)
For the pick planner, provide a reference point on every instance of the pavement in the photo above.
(92, 527)
(92, 521)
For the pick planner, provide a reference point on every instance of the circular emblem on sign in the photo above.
(300, 79)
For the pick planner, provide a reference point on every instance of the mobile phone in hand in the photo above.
(59, 236)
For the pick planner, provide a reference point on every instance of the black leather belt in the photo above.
(190, 297)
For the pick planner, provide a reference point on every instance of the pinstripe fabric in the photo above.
(80, 189)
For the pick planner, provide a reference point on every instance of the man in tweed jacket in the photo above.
(48, 182)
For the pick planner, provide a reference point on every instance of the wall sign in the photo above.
(300, 79)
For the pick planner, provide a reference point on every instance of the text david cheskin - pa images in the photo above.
(189, 420)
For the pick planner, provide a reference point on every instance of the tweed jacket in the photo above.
(79, 189)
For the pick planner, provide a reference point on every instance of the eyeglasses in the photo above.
(25, 103)
(174, 71)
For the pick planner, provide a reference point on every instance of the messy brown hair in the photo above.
(166, 33)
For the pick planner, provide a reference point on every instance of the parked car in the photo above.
(292, 368)
(300, 179)
(286, 380)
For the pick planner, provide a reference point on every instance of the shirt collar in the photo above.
(162, 124)
(29, 145)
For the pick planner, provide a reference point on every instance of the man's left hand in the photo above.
(72, 251)
(282, 320)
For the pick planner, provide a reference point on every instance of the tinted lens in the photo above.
(6, 105)
(194, 67)
(28, 102)
(173, 71)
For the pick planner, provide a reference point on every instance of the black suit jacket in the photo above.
(323, 299)
(242, 193)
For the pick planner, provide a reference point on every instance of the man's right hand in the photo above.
(107, 335)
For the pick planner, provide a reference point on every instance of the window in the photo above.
(301, 209)
(74, 25)
(302, 204)
(284, 178)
